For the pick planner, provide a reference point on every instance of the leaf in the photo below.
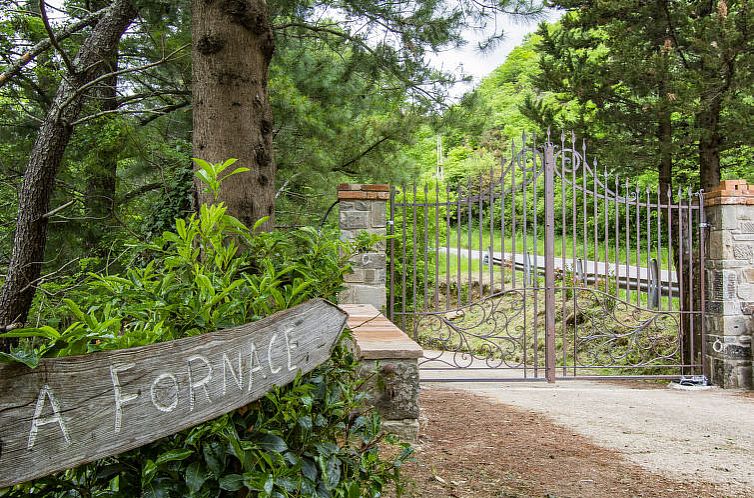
(305, 422)
(271, 442)
(28, 358)
(261, 221)
(214, 456)
(173, 456)
(229, 162)
(196, 475)
(88, 319)
(74, 308)
(309, 469)
(331, 471)
(269, 484)
(45, 331)
(148, 472)
(180, 227)
(201, 163)
(204, 283)
(231, 482)
(354, 490)
(236, 171)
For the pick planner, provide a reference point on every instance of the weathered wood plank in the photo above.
(73, 410)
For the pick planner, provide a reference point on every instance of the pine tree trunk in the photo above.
(46, 155)
(710, 141)
(232, 48)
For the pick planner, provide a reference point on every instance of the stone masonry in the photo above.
(390, 367)
(362, 209)
(730, 283)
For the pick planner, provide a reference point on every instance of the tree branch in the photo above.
(105, 76)
(366, 151)
(53, 39)
(162, 111)
(154, 113)
(129, 196)
(45, 44)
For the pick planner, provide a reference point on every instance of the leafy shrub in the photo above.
(314, 437)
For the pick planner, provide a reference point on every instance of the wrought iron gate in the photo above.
(549, 268)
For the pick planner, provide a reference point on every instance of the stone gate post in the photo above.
(730, 283)
(363, 208)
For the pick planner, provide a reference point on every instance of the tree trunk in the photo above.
(680, 243)
(232, 49)
(707, 121)
(101, 173)
(44, 162)
(665, 139)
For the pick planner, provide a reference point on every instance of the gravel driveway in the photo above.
(703, 435)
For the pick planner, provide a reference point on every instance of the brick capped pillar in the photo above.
(730, 283)
(363, 208)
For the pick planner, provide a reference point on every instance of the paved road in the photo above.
(590, 269)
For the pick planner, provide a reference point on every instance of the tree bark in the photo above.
(232, 48)
(710, 141)
(46, 155)
(665, 139)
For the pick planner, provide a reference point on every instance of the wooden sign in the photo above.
(73, 410)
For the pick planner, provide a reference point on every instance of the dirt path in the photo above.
(473, 447)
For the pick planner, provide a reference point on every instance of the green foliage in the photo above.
(465, 167)
(418, 231)
(209, 173)
(313, 438)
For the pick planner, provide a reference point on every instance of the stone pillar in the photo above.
(363, 208)
(730, 283)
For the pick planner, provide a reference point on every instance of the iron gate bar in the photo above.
(492, 229)
(533, 278)
(549, 264)
(413, 235)
(391, 237)
(403, 301)
(702, 282)
(481, 234)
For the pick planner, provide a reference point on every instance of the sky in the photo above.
(478, 65)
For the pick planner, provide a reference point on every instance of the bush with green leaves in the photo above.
(315, 437)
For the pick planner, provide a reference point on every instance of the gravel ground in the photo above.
(694, 436)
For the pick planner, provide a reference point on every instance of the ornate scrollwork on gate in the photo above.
(487, 333)
(610, 332)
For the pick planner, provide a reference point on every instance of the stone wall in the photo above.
(389, 363)
(730, 284)
(363, 209)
